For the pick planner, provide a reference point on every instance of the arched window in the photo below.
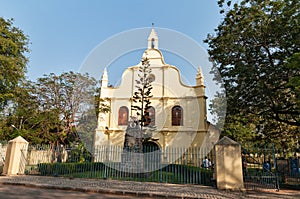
(150, 118)
(177, 116)
(123, 116)
(152, 43)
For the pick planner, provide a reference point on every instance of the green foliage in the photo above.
(69, 168)
(80, 154)
(255, 50)
(69, 96)
(142, 95)
(101, 105)
(217, 108)
(172, 173)
(13, 46)
(240, 129)
(293, 63)
(85, 128)
(47, 111)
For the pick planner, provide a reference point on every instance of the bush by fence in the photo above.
(172, 173)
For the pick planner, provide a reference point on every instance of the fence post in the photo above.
(15, 159)
(228, 165)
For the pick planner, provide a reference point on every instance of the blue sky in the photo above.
(63, 32)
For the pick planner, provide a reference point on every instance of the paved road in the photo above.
(23, 192)
(59, 187)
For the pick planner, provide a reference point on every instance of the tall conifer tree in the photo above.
(142, 95)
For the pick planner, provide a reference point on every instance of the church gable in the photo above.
(175, 107)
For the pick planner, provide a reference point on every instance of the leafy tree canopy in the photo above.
(256, 50)
(13, 46)
(49, 110)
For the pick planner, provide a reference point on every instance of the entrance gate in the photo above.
(259, 167)
(152, 156)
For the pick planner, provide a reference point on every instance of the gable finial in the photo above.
(153, 39)
(104, 79)
(199, 77)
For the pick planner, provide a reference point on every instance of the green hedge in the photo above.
(69, 168)
(172, 173)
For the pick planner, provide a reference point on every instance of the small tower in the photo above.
(153, 40)
(199, 78)
(200, 92)
(101, 136)
(104, 79)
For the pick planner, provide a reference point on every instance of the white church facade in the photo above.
(178, 111)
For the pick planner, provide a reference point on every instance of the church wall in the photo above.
(168, 91)
(124, 90)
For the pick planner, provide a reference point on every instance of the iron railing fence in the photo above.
(289, 171)
(172, 165)
(259, 166)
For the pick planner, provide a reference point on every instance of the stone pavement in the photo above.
(155, 190)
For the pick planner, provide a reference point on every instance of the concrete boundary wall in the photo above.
(228, 165)
(15, 158)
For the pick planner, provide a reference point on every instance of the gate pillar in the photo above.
(228, 165)
(15, 159)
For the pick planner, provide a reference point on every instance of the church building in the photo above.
(178, 111)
